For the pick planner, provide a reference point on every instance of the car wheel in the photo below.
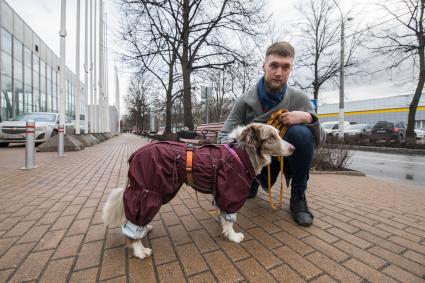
(54, 133)
(4, 144)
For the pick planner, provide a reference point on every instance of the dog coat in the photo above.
(158, 170)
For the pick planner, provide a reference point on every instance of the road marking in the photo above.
(391, 160)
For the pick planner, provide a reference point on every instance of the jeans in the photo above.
(297, 166)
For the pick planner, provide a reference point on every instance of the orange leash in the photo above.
(274, 121)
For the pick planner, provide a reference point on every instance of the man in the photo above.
(270, 94)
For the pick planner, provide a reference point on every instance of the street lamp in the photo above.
(341, 78)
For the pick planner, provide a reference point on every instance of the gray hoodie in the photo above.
(248, 109)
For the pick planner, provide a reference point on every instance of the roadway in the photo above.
(393, 167)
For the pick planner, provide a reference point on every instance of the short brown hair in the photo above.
(282, 48)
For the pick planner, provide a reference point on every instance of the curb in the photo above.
(344, 172)
(411, 151)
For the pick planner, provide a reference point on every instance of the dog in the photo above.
(158, 170)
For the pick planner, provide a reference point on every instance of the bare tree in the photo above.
(320, 36)
(138, 102)
(148, 51)
(204, 30)
(402, 42)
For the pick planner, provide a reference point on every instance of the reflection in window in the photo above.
(6, 98)
(17, 50)
(6, 41)
(6, 64)
(19, 98)
(28, 98)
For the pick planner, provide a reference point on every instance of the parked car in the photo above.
(388, 131)
(420, 133)
(358, 131)
(331, 127)
(46, 126)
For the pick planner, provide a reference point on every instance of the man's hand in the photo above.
(296, 117)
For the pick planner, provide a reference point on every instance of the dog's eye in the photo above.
(271, 139)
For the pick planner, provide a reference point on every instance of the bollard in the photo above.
(30, 145)
(61, 141)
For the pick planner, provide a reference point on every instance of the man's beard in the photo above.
(273, 88)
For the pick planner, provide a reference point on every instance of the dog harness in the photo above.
(158, 170)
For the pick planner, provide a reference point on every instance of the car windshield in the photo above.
(327, 125)
(39, 117)
(357, 126)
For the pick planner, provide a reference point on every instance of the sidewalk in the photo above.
(364, 230)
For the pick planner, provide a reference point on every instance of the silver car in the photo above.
(46, 126)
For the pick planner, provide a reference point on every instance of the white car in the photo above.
(420, 133)
(331, 128)
(46, 126)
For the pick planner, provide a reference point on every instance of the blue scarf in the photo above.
(268, 101)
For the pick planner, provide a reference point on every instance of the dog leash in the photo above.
(275, 121)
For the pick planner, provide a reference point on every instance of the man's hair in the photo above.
(282, 48)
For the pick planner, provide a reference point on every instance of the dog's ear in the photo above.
(251, 135)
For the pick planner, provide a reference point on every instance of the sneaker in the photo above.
(299, 210)
(133, 231)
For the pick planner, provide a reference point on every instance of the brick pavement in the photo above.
(365, 230)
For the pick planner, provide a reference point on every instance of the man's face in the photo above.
(276, 72)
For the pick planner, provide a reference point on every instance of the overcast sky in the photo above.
(44, 18)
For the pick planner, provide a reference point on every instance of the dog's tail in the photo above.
(113, 213)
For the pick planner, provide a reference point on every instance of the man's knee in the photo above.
(299, 135)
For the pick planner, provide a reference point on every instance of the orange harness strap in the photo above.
(189, 163)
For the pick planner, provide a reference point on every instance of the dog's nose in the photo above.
(291, 149)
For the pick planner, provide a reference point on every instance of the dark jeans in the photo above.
(297, 166)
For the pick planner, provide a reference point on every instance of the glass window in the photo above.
(27, 75)
(17, 49)
(6, 64)
(42, 68)
(6, 41)
(6, 98)
(36, 97)
(35, 62)
(17, 70)
(27, 98)
(18, 104)
(27, 57)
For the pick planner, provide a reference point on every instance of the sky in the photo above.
(44, 18)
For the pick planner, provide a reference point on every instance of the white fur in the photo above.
(113, 211)
(229, 232)
(138, 249)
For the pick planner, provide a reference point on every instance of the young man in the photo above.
(270, 94)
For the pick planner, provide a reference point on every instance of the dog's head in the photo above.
(265, 139)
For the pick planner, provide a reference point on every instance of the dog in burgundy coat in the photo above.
(158, 170)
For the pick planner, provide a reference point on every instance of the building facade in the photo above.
(370, 111)
(29, 77)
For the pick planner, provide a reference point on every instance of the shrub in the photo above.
(332, 157)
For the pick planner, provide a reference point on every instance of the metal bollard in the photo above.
(61, 141)
(30, 145)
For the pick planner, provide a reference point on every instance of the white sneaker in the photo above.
(133, 231)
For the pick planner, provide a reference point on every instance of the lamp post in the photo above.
(341, 78)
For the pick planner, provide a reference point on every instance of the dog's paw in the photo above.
(236, 237)
(142, 253)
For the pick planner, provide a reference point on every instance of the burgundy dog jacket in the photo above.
(158, 170)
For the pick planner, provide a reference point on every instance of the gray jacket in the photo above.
(248, 109)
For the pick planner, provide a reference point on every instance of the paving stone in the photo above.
(297, 262)
(253, 271)
(51, 228)
(32, 266)
(113, 264)
(57, 271)
(191, 259)
(222, 267)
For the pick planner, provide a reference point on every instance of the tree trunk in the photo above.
(410, 134)
(186, 69)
